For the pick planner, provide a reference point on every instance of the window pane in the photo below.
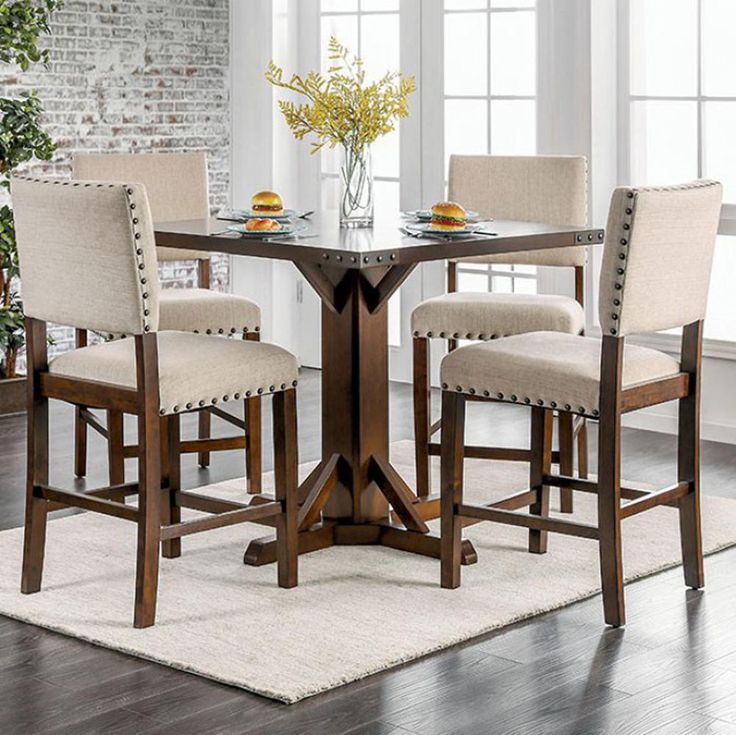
(473, 281)
(719, 47)
(386, 155)
(379, 44)
(466, 127)
(513, 53)
(719, 321)
(344, 28)
(466, 54)
(386, 196)
(330, 193)
(513, 127)
(719, 120)
(664, 47)
(664, 142)
(372, 5)
(502, 284)
(525, 285)
(339, 6)
(465, 4)
(513, 3)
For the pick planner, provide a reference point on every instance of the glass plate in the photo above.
(246, 214)
(287, 228)
(425, 215)
(426, 227)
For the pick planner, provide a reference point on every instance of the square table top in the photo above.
(378, 246)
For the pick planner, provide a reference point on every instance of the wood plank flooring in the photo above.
(671, 671)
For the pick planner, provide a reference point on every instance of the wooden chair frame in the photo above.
(160, 498)
(614, 402)
(249, 440)
(571, 428)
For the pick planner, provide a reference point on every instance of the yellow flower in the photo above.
(341, 108)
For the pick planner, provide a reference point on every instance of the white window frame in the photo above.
(491, 270)
(724, 349)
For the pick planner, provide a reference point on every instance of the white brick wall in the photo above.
(137, 75)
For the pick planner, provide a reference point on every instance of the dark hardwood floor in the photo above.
(671, 671)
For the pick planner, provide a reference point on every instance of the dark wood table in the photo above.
(354, 495)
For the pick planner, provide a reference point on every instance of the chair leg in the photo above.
(80, 443)
(609, 483)
(541, 461)
(149, 478)
(205, 431)
(451, 474)
(34, 541)
(80, 426)
(115, 442)
(422, 415)
(286, 462)
(253, 445)
(583, 450)
(566, 440)
(170, 509)
(688, 460)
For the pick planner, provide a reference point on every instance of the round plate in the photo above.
(425, 215)
(427, 227)
(246, 214)
(287, 228)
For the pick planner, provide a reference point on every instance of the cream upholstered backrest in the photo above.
(550, 189)
(658, 256)
(87, 254)
(176, 183)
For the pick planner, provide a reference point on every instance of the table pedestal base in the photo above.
(405, 529)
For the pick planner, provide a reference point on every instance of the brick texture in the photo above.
(136, 76)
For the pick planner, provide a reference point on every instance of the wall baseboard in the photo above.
(665, 424)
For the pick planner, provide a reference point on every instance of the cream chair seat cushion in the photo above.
(490, 315)
(207, 312)
(548, 369)
(194, 370)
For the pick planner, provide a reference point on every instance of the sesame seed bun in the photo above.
(262, 224)
(268, 202)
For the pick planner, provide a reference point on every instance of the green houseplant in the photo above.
(22, 25)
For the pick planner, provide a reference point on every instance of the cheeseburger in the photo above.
(262, 224)
(268, 202)
(448, 216)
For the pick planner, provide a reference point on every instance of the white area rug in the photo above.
(355, 610)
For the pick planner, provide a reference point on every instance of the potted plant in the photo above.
(343, 109)
(22, 24)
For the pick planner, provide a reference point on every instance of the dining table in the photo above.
(355, 495)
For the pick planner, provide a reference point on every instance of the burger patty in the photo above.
(447, 221)
(267, 208)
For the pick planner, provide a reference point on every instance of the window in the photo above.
(370, 29)
(682, 113)
(490, 102)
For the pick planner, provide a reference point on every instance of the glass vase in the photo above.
(356, 188)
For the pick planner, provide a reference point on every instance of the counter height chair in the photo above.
(550, 189)
(88, 260)
(177, 187)
(655, 275)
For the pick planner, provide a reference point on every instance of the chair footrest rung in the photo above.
(67, 498)
(539, 523)
(221, 444)
(506, 454)
(243, 514)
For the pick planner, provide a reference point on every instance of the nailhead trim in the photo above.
(526, 400)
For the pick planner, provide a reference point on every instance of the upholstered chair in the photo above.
(549, 189)
(655, 275)
(178, 189)
(88, 260)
